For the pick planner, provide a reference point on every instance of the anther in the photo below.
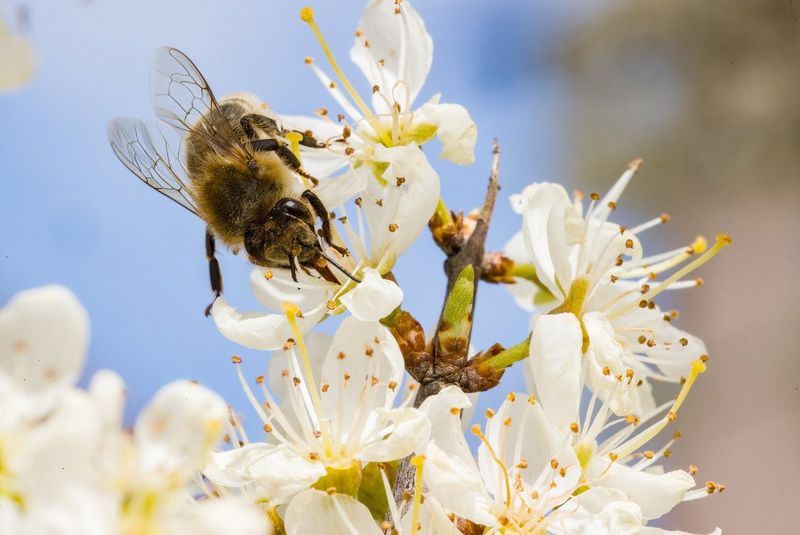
(236, 359)
(511, 396)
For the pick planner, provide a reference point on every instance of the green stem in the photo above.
(510, 355)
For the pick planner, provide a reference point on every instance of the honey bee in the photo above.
(233, 167)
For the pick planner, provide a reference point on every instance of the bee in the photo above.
(233, 167)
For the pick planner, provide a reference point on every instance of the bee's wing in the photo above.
(156, 163)
(181, 97)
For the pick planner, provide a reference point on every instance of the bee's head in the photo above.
(288, 231)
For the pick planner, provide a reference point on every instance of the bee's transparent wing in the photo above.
(182, 97)
(151, 159)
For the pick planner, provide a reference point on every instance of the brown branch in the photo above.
(461, 253)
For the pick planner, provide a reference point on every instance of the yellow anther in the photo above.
(307, 14)
(699, 245)
(418, 462)
(294, 139)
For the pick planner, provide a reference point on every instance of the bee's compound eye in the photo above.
(293, 208)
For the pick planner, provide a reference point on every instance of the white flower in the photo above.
(395, 187)
(66, 465)
(586, 266)
(394, 52)
(334, 416)
(534, 476)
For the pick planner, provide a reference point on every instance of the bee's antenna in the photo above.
(333, 262)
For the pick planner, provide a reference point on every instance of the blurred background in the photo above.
(708, 93)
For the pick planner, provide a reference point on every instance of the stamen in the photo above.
(476, 430)
(723, 240)
(418, 461)
(643, 438)
(307, 16)
(291, 311)
(663, 218)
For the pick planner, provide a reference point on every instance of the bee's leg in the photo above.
(269, 126)
(322, 213)
(285, 154)
(213, 269)
(292, 267)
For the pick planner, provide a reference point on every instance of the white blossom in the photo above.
(394, 186)
(535, 476)
(584, 265)
(335, 415)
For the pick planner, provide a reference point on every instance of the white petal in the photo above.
(521, 430)
(276, 470)
(108, 392)
(398, 433)
(446, 427)
(256, 330)
(314, 511)
(362, 362)
(535, 203)
(58, 453)
(656, 494)
(605, 352)
(374, 298)
(457, 486)
(307, 294)
(44, 335)
(408, 206)
(455, 128)
(433, 519)
(231, 514)
(317, 344)
(386, 32)
(175, 432)
(555, 362)
(617, 514)
(19, 61)
(336, 190)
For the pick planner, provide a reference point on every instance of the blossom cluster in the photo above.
(370, 430)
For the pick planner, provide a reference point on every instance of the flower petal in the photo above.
(256, 330)
(273, 287)
(314, 511)
(398, 433)
(446, 426)
(275, 470)
(374, 298)
(605, 352)
(656, 494)
(175, 432)
(455, 128)
(386, 32)
(535, 203)
(44, 335)
(363, 368)
(406, 208)
(555, 363)
(230, 514)
(457, 486)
